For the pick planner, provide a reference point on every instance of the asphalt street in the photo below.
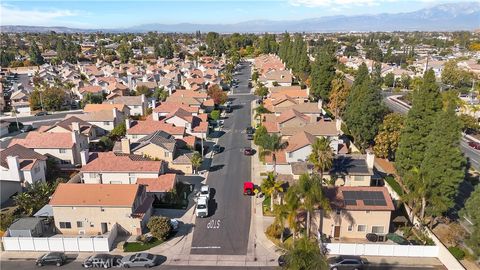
(28, 265)
(43, 118)
(472, 154)
(226, 230)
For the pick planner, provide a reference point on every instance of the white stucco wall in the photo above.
(115, 178)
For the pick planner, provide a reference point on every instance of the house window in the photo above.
(378, 229)
(65, 225)
(290, 155)
(106, 123)
(338, 211)
(92, 225)
(134, 136)
(350, 227)
(357, 178)
(93, 175)
(79, 224)
(361, 228)
(136, 107)
(166, 154)
(62, 151)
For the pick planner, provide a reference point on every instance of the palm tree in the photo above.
(271, 187)
(272, 145)
(321, 156)
(281, 214)
(418, 191)
(312, 197)
(292, 204)
(305, 255)
(196, 161)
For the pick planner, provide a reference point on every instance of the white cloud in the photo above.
(10, 15)
(336, 3)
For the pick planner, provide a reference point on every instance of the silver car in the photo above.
(139, 260)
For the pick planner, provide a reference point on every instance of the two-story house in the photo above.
(137, 104)
(95, 208)
(19, 167)
(118, 168)
(64, 148)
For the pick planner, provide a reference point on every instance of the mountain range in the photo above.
(443, 17)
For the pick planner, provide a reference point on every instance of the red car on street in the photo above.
(474, 145)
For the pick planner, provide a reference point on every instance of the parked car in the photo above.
(474, 145)
(345, 262)
(41, 113)
(205, 191)
(249, 136)
(52, 258)
(202, 207)
(250, 130)
(102, 260)
(248, 151)
(139, 260)
(248, 188)
(26, 128)
(175, 224)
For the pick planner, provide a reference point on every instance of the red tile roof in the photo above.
(336, 198)
(169, 107)
(95, 195)
(163, 183)
(150, 126)
(110, 162)
(36, 139)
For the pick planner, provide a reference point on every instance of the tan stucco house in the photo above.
(80, 209)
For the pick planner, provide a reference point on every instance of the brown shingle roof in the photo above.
(291, 113)
(95, 195)
(21, 152)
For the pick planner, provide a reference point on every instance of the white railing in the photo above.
(102, 243)
(382, 250)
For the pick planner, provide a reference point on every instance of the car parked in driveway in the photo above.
(346, 262)
(52, 258)
(474, 145)
(205, 191)
(142, 259)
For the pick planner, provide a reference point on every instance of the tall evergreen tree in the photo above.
(444, 164)
(418, 125)
(323, 72)
(35, 54)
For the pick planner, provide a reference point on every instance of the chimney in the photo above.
(126, 146)
(338, 125)
(320, 104)
(84, 155)
(115, 115)
(370, 159)
(14, 167)
(154, 104)
(75, 126)
(142, 98)
(75, 137)
(127, 124)
(155, 116)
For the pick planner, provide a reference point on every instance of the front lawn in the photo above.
(140, 246)
(266, 206)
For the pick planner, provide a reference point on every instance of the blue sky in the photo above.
(116, 14)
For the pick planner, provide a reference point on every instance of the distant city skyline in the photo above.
(118, 14)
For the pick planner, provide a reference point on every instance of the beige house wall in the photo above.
(115, 177)
(155, 151)
(185, 168)
(345, 218)
(93, 217)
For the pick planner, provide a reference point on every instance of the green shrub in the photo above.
(457, 252)
(160, 227)
(274, 230)
(394, 185)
